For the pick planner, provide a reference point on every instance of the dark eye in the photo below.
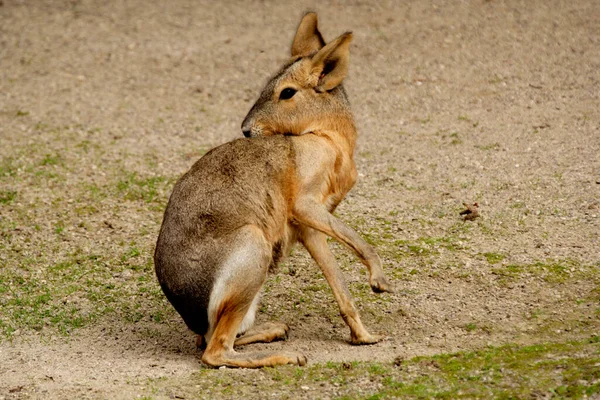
(287, 93)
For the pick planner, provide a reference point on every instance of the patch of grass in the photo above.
(565, 370)
(414, 248)
(465, 118)
(86, 145)
(552, 271)
(377, 369)
(73, 292)
(509, 271)
(455, 138)
(32, 302)
(319, 287)
(491, 146)
(7, 196)
(8, 166)
(59, 228)
(383, 236)
(517, 204)
(470, 327)
(92, 192)
(427, 246)
(148, 189)
(51, 159)
(131, 253)
(494, 258)
(57, 271)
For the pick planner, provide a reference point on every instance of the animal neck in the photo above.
(340, 129)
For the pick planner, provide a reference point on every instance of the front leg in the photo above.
(316, 244)
(316, 216)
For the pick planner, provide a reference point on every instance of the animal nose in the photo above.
(247, 128)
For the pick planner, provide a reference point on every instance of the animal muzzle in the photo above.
(247, 127)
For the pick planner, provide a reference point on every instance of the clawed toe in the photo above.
(302, 360)
(380, 285)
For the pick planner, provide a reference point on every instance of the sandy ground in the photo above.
(495, 102)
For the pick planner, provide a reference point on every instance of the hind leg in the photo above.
(233, 297)
(220, 351)
(264, 333)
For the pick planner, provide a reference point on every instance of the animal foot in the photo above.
(380, 285)
(366, 339)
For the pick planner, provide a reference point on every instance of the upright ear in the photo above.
(330, 64)
(308, 38)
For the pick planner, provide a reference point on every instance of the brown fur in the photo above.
(243, 205)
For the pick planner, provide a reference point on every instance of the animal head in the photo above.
(306, 94)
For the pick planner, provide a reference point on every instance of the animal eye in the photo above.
(287, 93)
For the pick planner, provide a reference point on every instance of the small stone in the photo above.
(304, 387)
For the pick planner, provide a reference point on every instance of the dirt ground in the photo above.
(103, 105)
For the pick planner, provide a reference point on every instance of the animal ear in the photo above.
(308, 38)
(331, 63)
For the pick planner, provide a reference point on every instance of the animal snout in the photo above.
(247, 127)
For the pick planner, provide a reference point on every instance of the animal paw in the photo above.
(366, 339)
(295, 358)
(380, 285)
(301, 358)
